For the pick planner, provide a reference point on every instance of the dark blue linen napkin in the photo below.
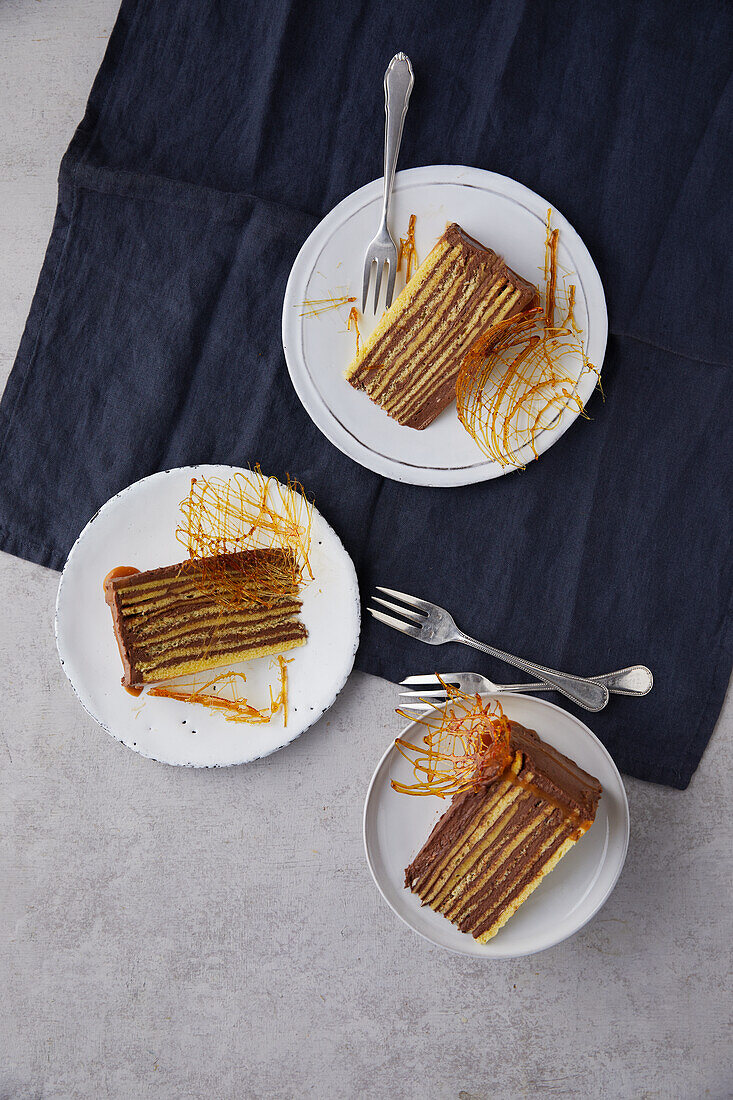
(217, 135)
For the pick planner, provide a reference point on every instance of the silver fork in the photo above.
(636, 680)
(434, 625)
(398, 81)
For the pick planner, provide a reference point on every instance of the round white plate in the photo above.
(137, 527)
(396, 826)
(500, 213)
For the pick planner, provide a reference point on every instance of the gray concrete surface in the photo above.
(171, 933)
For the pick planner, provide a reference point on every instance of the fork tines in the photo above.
(380, 261)
(396, 624)
(414, 613)
(424, 687)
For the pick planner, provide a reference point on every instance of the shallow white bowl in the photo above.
(396, 826)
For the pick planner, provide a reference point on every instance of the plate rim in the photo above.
(488, 956)
(313, 718)
(309, 396)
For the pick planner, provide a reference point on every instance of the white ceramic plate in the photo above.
(497, 211)
(396, 826)
(137, 527)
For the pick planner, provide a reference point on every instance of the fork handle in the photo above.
(398, 81)
(636, 680)
(586, 693)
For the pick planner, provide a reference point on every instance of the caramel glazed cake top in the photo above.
(410, 363)
(494, 845)
(171, 621)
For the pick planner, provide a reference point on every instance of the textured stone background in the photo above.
(174, 933)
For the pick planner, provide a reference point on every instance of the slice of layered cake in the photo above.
(205, 612)
(495, 844)
(410, 363)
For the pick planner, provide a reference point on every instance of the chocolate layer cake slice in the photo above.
(494, 845)
(204, 613)
(410, 363)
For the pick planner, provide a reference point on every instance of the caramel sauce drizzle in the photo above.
(243, 513)
(567, 811)
(314, 307)
(512, 383)
(354, 320)
(234, 705)
(551, 244)
(119, 571)
(408, 251)
(468, 748)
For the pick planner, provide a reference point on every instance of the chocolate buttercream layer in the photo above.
(494, 844)
(205, 612)
(410, 363)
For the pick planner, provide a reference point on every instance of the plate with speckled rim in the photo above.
(137, 528)
(397, 825)
(494, 209)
